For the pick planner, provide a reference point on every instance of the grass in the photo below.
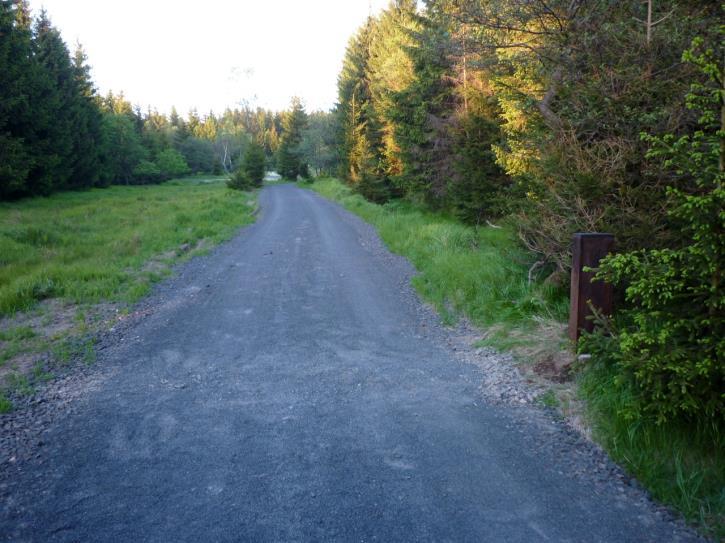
(92, 246)
(63, 256)
(681, 464)
(477, 272)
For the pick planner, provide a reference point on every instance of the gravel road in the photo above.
(291, 387)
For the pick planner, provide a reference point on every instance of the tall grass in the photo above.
(85, 247)
(680, 463)
(478, 272)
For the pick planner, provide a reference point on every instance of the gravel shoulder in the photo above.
(290, 385)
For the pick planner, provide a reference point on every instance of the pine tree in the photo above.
(289, 160)
(51, 103)
(86, 131)
(16, 159)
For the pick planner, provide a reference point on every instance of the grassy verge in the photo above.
(477, 272)
(481, 273)
(69, 259)
(681, 464)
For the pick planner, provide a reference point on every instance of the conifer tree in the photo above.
(16, 159)
(86, 121)
(254, 163)
(289, 160)
(51, 103)
(360, 157)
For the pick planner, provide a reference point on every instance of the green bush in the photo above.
(254, 164)
(171, 163)
(240, 180)
(670, 339)
(146, 172)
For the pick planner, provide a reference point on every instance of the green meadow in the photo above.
(64, 255)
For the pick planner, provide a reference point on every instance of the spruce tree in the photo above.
(51, 103)
(254, 163)
(294, 122)
(86, 121)
(361, 157)
(16, 159)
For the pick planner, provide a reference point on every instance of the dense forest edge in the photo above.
(478, 137)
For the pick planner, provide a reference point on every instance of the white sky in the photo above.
(211, 54)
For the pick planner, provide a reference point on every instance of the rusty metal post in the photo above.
(588, 250)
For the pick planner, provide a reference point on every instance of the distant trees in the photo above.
(318, 147)
(121, 148)
(57, 133)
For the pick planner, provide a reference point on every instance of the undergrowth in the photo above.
(678, 461)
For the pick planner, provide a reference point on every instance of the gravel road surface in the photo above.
(291, 387)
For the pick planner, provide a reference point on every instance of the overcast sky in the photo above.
(211, 54)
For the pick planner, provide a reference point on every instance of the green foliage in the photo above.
(250, 173)
(679, 462)
(416, 120)
(671, 340)
(478, 189)
(16, 158)
(171, 164)
(240, 180)
(87, 118)
(360, 139)
(319, 143)
(199, 154)
(146, 172)
(121, 149)
(254, 164)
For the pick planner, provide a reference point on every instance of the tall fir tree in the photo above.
(52, 97)
(16, 158)
(289, 157)
(86, 120)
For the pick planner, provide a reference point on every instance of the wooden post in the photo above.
(588, 250)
